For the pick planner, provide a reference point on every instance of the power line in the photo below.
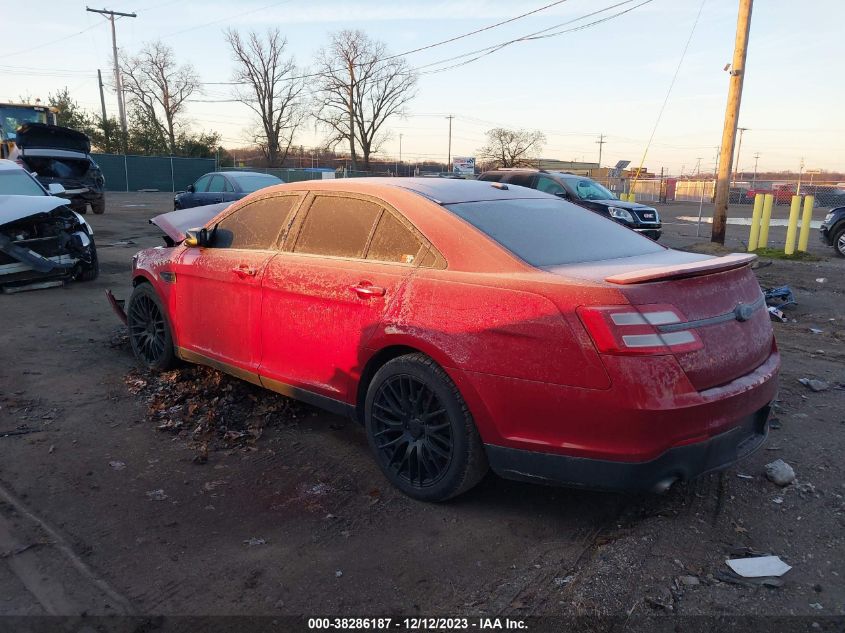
(50, 43)
(422, 48)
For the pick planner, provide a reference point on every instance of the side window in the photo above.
(547, 185)
(227, 186)
(257, 225)
(217, 182)
(202, 183)
(393, 242)
(337, 226)
(521, 179)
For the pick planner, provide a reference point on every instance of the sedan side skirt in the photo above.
(297, 393)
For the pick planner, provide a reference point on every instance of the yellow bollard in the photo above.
(632, 196)
(755, 223)
(768, 202)
(792, 227)
(804, 236)
(623, 197)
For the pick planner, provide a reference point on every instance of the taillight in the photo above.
(636, 329)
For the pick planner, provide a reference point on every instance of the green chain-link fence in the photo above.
(161, 173)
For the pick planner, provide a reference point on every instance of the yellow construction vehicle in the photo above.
(14, 115)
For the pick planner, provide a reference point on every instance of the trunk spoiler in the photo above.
(690, 269)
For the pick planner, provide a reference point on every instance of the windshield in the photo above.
(587, 189)
(254, 182)
(553, 232)
(18, 183)
(12, 117)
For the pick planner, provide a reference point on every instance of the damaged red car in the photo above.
(469, 325)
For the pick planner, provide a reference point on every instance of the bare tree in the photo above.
(272, 89)
(359, 87)
(159, 87)
(512, 148)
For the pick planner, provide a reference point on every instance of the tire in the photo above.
(98, 206)
(91, 271)
(839, 241)
(149, 329)
(420, 430)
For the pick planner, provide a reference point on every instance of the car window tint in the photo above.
(216, 185)
(227, 186)
(202, 183)
(393, 242)
(523, 180)
(549, 232)
(337, 226)
(255, 226)
(547, 185)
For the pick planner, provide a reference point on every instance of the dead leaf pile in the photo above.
(209, 409)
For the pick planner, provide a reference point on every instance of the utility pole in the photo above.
(601, 142)
(800, 173)
(103, 106)
(698, 166)
(400, 149)
(449, 159)
(118, 84)
(756, 158)
(738, 150)
(720, 214)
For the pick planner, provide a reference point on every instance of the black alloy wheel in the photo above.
(412, 430)
(420, 430)
(149, 331)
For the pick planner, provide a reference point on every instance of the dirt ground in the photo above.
(102, 513)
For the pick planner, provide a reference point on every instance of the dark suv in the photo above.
(833, 230)
(585, 193)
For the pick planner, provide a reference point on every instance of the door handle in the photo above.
(365, 290)
(216, 200)
(244, 271)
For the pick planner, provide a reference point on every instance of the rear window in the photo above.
(552, 232)
(254, 182)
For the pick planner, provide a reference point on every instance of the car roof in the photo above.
(452, 191)
(240, 173)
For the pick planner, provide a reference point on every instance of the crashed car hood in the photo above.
(175, 223)
(42, 136)
(14, 208)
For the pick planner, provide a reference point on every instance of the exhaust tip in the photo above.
(664, 484)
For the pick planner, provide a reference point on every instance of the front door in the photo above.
(218, 299)
(325, 295)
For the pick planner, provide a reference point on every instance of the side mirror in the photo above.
(562, 194)
(196, 238)
(55, 189)
(192, 189)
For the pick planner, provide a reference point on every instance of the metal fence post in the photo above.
(172, 181)
(125, 172)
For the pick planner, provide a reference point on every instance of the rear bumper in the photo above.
(656, 475)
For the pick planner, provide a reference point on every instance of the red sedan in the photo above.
(468, 324)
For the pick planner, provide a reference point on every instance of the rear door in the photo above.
(325, 294)
(218, 300)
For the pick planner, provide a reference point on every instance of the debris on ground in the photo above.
(815, 330)
(777, 315)
(255, 541)
(779, 297)
(116, 465)
(209, 409)
(814, 384)
(157, 495)
(780, 473)
(758, 566)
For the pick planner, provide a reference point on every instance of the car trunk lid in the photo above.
(41, 136)
(716, 298)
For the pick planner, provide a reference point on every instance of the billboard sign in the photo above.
(463, 165)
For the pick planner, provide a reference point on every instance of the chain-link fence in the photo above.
(154, 173)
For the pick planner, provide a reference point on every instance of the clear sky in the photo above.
(609, 79)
